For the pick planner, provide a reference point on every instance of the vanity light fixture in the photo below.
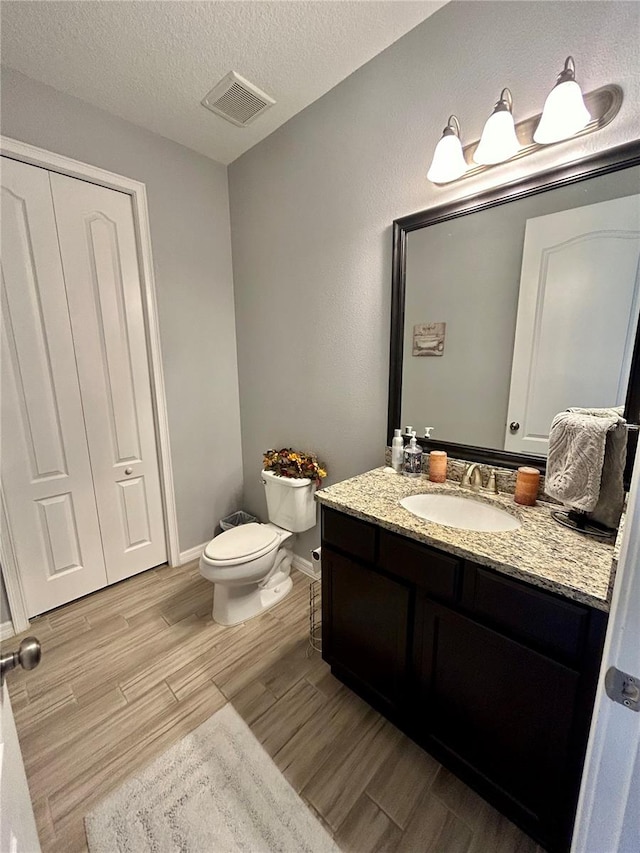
(567, 113)
(448, 160)
(564, 112)
(498, 141)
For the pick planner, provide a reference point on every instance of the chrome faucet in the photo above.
(472, 478)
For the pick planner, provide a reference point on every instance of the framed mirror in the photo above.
(515, 304)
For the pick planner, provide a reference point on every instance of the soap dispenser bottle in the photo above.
(397, 451)
(413, 458)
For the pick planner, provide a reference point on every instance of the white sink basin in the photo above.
(460, 512)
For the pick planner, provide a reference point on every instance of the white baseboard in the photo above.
(6, 630)
(192, 553)
(308, 568)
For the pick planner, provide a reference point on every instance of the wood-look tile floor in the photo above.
(128, 671)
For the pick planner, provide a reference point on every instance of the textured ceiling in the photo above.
(152, 62)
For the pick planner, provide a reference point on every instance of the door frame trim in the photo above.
(22, 151)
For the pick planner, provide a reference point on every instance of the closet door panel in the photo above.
(100, 262)
(46, 472)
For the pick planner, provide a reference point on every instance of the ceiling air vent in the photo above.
(237, 100)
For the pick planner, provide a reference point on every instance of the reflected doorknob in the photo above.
(514, 426)
(28, 657)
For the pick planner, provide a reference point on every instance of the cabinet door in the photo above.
(503, 709)
(366, 619)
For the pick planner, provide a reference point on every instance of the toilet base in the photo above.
(235, 604)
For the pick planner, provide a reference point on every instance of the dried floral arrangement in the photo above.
(294, 464)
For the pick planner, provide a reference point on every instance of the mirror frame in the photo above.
(612, 160)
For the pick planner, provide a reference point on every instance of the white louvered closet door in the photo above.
(46, 473)
(100, 263)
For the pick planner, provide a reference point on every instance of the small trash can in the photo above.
(236, 519)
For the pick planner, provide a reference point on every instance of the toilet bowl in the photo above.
(250, 565)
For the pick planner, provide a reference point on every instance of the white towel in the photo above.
(585, 466)
(615, 412)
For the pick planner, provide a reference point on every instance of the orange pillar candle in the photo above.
(437, 466)
(527, 483)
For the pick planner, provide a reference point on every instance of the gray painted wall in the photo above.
(189, 216)
(466, 272)
(312, 206)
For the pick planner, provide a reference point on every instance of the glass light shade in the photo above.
(448, 161)
(563, 115)
(499, 141)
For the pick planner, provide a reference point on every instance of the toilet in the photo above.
(250, 565)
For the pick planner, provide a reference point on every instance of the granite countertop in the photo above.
(541, 552)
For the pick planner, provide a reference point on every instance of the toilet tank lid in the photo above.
(243, 541)
(291, 482)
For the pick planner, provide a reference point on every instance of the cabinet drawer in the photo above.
(434, 572)
(534, 616)
(349, 534)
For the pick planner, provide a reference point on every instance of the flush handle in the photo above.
(514, 426)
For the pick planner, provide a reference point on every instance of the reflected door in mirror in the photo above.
(577, 316)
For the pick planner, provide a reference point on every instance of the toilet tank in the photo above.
(290, 502)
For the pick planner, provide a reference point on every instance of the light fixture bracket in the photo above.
(568, 73)
(453, 127)
(603, 105)
(505, 103)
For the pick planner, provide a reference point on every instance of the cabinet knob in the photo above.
(128, 471)
(514, 426)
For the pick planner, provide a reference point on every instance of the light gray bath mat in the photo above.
(216, 791)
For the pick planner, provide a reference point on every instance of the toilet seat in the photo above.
(240, 544)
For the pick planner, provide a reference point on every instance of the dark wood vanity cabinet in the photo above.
(496, 678)
(499, 707)
(370, 629)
